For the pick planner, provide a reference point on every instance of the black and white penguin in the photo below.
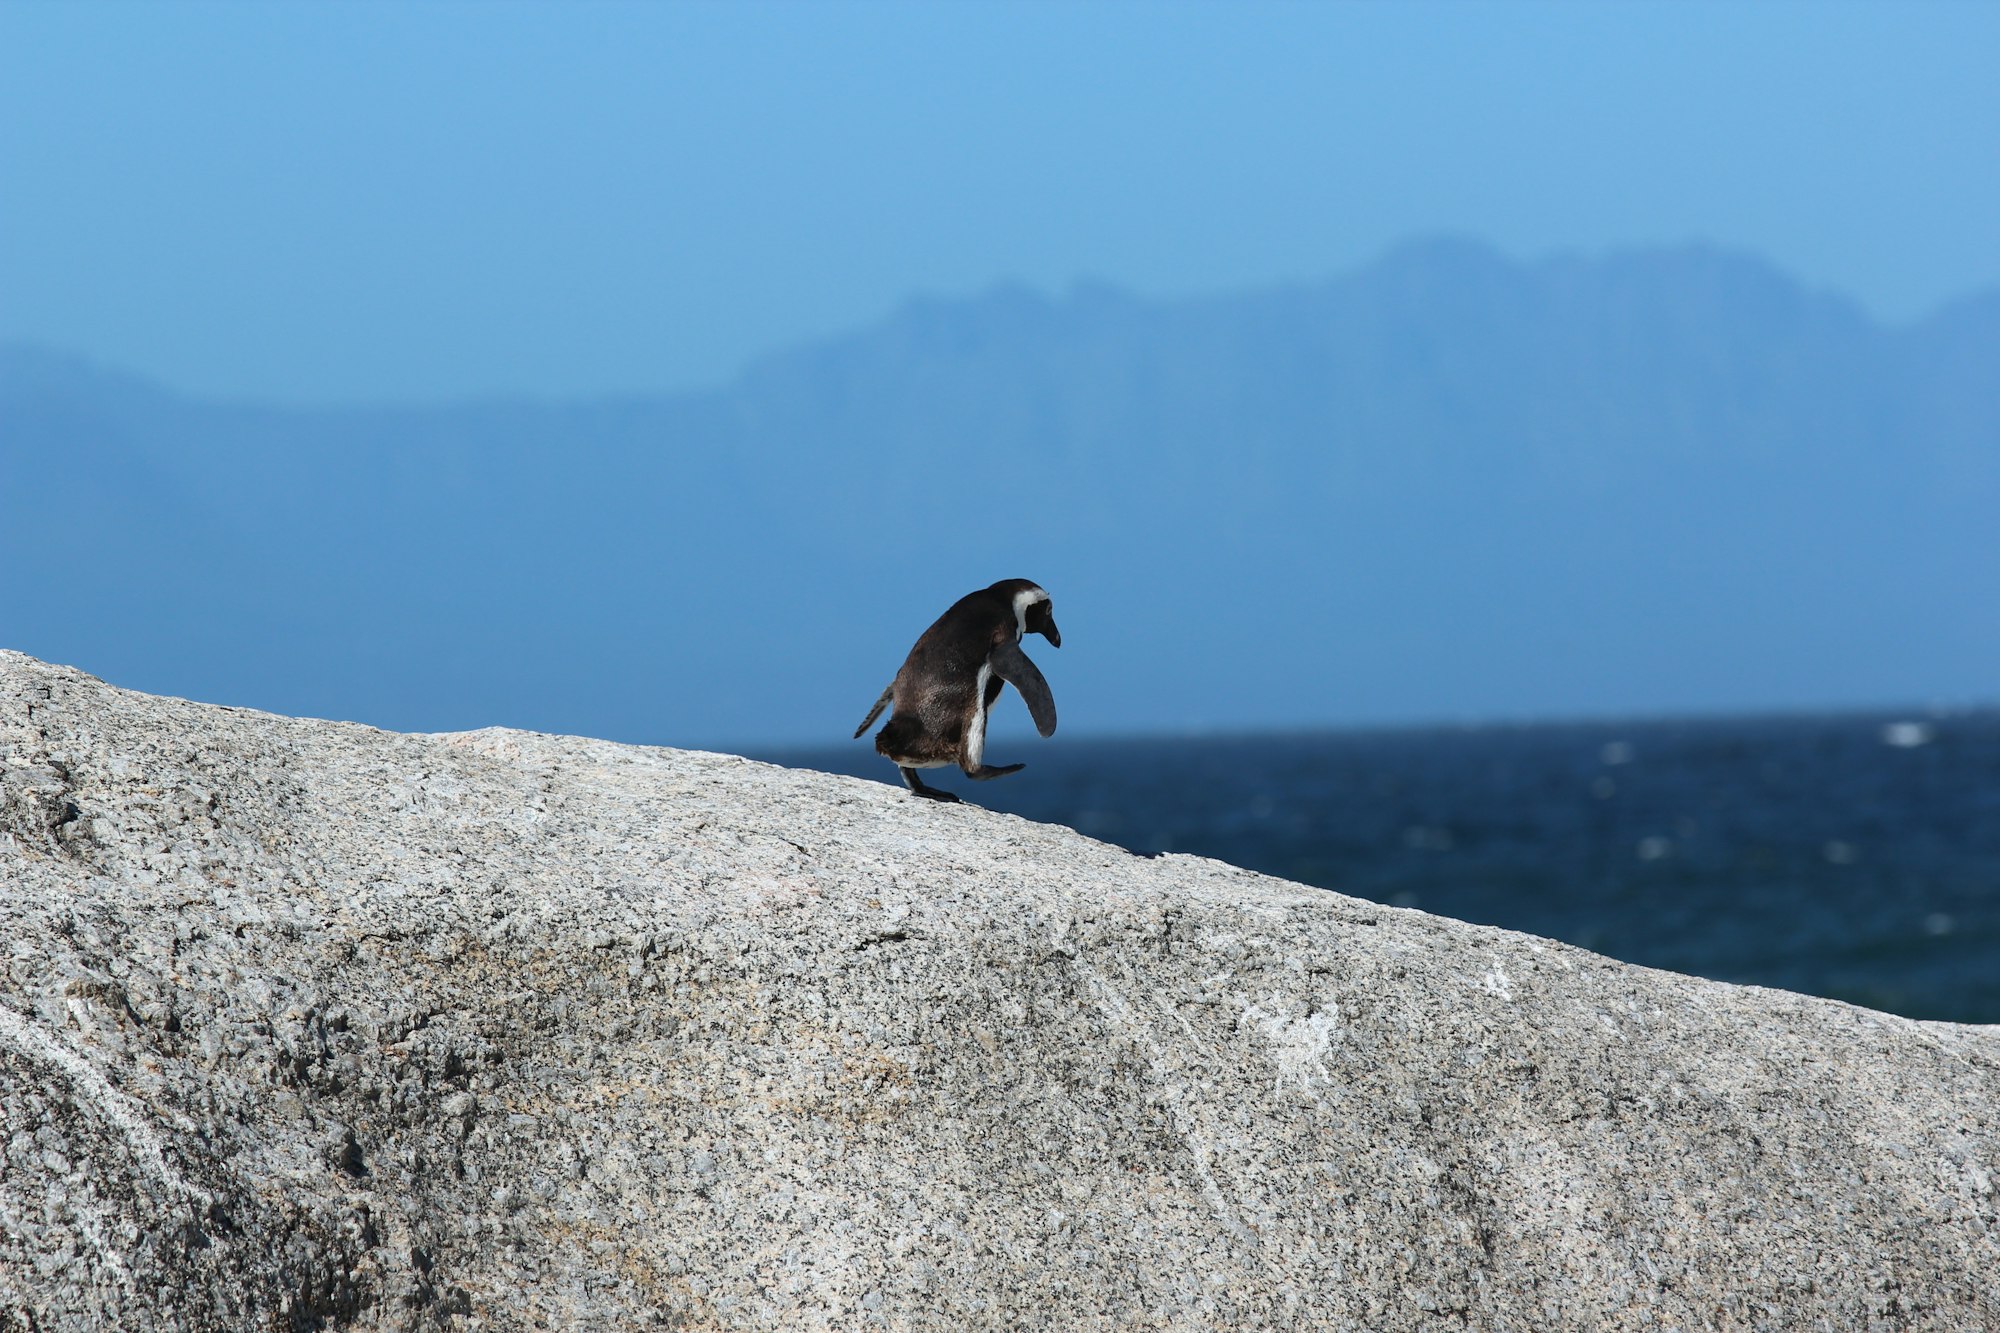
(952, 676)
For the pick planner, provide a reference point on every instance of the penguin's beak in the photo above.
(1051, 633)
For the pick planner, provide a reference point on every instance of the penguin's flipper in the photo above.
(876, 711)
(1012, 665)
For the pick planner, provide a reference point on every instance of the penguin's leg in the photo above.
(986, 773)
(921, 788)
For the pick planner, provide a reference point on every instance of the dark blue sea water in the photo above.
(1854, 856)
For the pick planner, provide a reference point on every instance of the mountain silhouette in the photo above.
(1446, 484)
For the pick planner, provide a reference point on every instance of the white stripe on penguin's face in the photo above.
(1024, 599)
(975, 730)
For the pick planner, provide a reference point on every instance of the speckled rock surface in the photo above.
(309, 1025)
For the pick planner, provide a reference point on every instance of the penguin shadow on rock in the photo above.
(948, 683)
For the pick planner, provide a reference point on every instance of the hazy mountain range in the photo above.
(1445, 485)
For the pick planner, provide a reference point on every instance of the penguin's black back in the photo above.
(953, 649)
(936, 691)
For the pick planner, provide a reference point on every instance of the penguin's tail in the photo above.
(876, 711)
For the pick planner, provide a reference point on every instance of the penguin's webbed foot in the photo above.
(984, 773)
(919, 787)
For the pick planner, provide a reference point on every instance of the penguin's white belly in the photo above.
(975, 730)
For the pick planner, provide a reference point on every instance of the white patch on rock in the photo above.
(1299, 1043)
(92, 1090)
(1185, 1121)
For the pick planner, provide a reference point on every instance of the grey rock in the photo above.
(304, 1024)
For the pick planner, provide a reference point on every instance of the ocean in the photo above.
(1855, 856)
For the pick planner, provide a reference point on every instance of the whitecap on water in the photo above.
(1908, 735)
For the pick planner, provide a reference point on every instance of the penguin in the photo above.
(949, 681)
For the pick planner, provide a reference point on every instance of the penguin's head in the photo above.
(1033, 613)
(1041, 619)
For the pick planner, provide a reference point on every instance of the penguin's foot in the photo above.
(986, 774)
(918, 786)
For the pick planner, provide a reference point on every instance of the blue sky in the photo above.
(313, 202)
